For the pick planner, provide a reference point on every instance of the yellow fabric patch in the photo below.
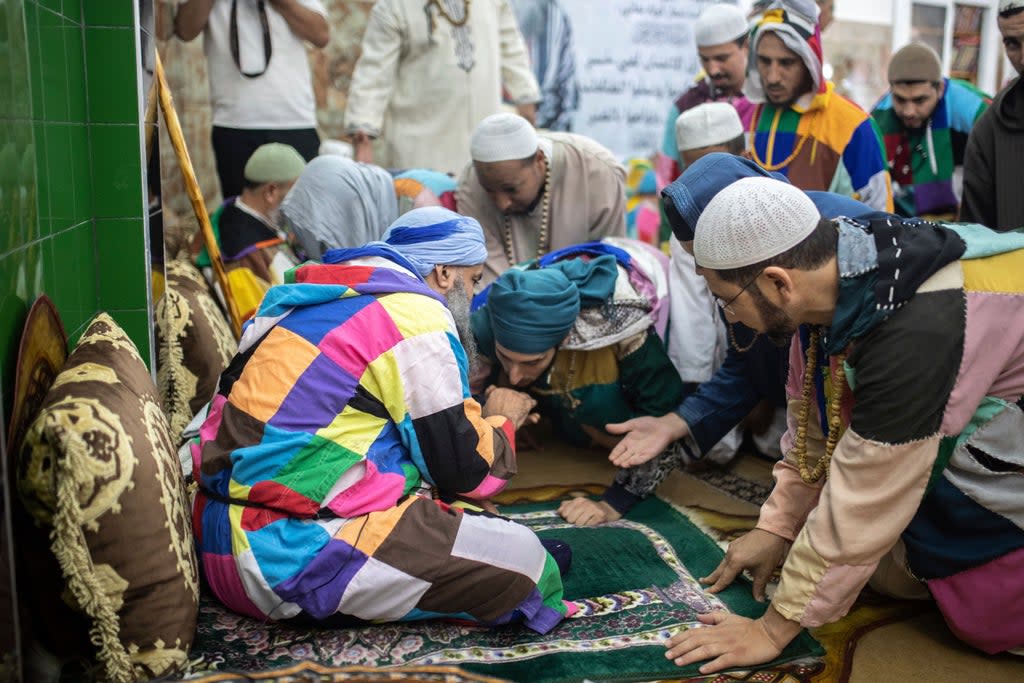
(575, 369)
(239, 542)
(413, 314)
(353, 428)
(1000, 273)
(374, 528)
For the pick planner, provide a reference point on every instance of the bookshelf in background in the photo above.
(967, 21)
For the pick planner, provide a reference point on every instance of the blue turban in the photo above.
(433, 236)
(532, 310)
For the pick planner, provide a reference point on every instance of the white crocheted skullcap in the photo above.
(711, 123)
(503, 137)
(719, 24)
(1007, 5)
(752, 220)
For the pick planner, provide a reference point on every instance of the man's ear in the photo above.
(445, 277)
(780, 281)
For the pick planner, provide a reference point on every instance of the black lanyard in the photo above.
(268, 50)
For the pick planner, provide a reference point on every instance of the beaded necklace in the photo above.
(809, 474)
(542, 237)
(451, 20)
(735, 345)
(756, 158)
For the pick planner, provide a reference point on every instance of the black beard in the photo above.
(778, 326)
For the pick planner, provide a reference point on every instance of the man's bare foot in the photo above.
(587, 512)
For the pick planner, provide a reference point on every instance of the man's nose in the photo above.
(503, 202)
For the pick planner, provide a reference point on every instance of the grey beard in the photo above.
(459, 305)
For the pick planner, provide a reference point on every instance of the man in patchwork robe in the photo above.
(903, 457)
(341, 427)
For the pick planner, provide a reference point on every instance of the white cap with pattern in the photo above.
(1007, 5)
(752, 220)
(503, 137)
(711, 123)
(719, 24)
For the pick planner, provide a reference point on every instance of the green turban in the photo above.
(532, 310)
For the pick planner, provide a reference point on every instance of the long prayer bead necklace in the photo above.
(812, 474)
(542, 236)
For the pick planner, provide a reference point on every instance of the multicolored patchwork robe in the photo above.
(931, 319)
(923, 162)
(348, 398)
(828, 143)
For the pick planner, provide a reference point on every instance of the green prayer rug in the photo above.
(633, 581)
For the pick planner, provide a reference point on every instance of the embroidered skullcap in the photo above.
(915, 62)
(711, 123)
(719, 24)
(1007, 5)
(503, 137)
(532, 310)
(433, 236)
(274, 163)
(750, 221)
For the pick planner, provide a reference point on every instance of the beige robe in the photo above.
(409, 89)
(588, 202)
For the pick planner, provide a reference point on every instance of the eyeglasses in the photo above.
(727, 305)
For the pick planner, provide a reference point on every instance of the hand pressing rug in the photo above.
(633, 581)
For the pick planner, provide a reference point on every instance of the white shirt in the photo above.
(281, 98)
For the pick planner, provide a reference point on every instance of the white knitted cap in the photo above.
(752, 220)
(1007, 5)
(719, 24)
(503, 137)
(711, 123)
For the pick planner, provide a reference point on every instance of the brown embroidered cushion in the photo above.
(99, 474)
(194, 341)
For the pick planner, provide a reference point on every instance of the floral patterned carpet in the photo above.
(617, 633)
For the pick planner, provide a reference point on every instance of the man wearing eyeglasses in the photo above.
(261, 89)
(903, 455)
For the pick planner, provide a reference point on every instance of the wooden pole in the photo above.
(195, 195)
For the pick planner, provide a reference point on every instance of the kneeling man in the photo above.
(903, 455)
(341, 427)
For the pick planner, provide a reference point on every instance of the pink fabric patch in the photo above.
(488, 487)
(984, 606)
(375, 491)
(208, 432)
(361, 339)
(570, 608)
(222, 575)
(993, 359)
(835, 593)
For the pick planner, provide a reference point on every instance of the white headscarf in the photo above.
(338, 203)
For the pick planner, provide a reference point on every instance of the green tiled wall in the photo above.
(72, 221)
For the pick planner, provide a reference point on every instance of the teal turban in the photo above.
(532, 310)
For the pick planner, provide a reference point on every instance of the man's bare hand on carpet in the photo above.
(645, 438)
(586, 512)
(758, 551)
(729, 640)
